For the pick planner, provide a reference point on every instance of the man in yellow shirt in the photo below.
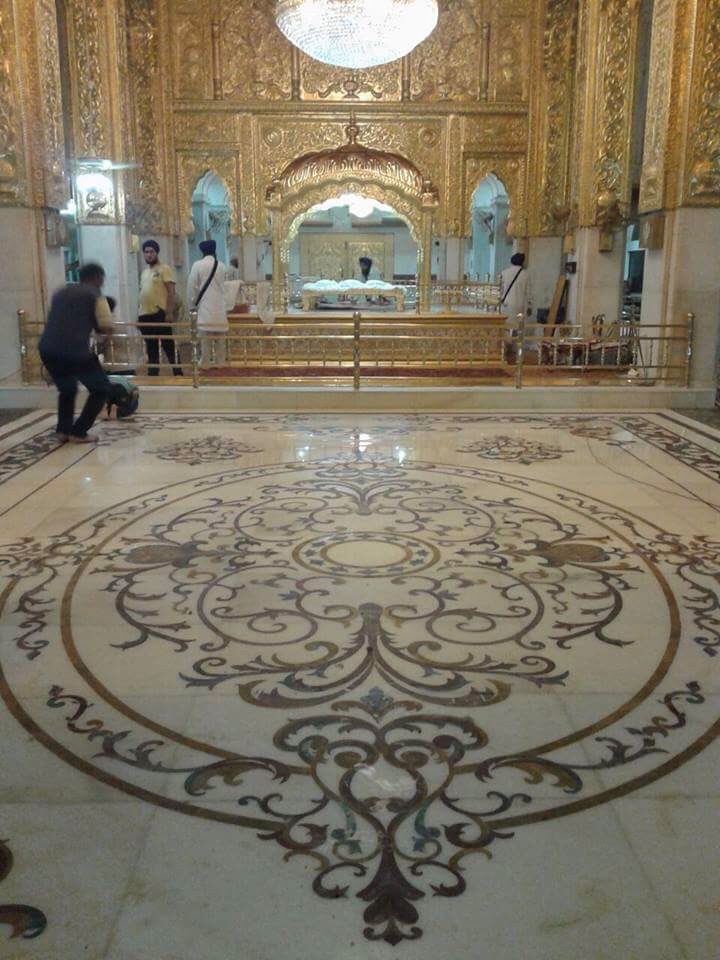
(157, 303)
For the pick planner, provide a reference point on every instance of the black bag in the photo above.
(124, 396)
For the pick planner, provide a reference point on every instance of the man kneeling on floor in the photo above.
(75, 311)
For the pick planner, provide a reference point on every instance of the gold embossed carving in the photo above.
(192, 166)
(283, 138)
(703, 173)
(652, 179)
(146, 207)
(319, 81)
(192, 53)
(558, 67)
(614, 110)
(12, 186)
(447, 66)
(196, 127)
(509, 51)
(256, 58)
(90, 94)
(55, 186)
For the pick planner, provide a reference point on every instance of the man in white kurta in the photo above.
(515, 289)
(211, 310)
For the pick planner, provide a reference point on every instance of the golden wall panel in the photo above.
(652, 179)
(192, 57)
(702, 186)
(510, 51)
(447, 65)
(256, 59)
(13, 187)
(51, 136)
(147, 205)
(555, 115)
(198, 127)
(282, 138)
(319, 81)
(86, 26)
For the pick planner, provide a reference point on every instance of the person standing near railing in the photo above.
(206, 294)
(76, 310)
(157, 305)
(514, 298)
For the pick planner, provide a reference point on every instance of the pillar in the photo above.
(544, 264)
(454, 259)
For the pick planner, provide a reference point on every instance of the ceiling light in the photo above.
(356, 33)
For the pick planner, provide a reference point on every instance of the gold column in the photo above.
(606, 72)
(32, 148)
(549, 177)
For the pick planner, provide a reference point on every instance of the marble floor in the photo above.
(314, 686)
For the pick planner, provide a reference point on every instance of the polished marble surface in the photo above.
(295, 685)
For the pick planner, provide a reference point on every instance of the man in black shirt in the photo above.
(75, 311)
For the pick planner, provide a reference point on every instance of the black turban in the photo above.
(517, 259)
(208, 247)
(153, 244)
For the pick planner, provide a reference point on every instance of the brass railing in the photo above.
(441, 347)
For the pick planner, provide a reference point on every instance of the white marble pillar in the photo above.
(23, 285)
(454, 259)
(683, 278)
(597, 286)
(544, 265)
(109, 245)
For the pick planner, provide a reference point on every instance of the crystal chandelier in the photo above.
(356, 33)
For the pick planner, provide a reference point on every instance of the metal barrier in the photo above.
(443, 347)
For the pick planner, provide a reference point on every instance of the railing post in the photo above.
(690, 331)
(194, 347)
(356, 350)
(22, 317)
(520, 350)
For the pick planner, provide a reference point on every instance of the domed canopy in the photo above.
(349, 161)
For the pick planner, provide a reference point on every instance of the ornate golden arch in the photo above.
(192, 168)
(351, 168)
(510, 171)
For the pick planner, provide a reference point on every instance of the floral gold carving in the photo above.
(652, 179)
(509, 56)
(11, 169)
(193, 127)
(89, 93)
(704, 132)
(192, 53)
(446, 65)
(614, 109)
(319, 81)
(256, 58)
(145, 208)
(55, 187)
(558, 64)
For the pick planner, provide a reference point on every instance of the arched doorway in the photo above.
(389, 181)
(334, 234)
(489, 246)
(211, 217)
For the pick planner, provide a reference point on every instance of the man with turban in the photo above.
(157, 305)
(515, 289)
(206, 294)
